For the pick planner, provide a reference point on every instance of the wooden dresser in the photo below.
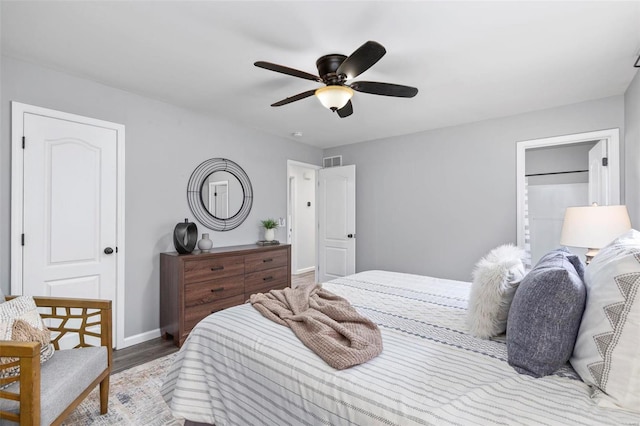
(193, 286)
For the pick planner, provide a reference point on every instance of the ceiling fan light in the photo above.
(334, 97)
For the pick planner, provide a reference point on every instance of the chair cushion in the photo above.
(62, 379)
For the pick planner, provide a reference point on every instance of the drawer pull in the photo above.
(215, 290)
(267, 260)
(269, 278)
(217, 268)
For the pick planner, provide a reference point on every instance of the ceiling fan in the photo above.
(334, 71)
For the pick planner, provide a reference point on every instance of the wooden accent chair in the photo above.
(46, 394)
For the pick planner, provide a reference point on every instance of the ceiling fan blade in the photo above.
(286, 70)
(362, 59)
(346, 110)
(294, 98)
(385, 89)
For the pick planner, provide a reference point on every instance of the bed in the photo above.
(238, 368)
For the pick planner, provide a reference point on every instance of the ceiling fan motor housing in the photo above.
(328, 65)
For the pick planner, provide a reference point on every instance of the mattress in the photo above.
(239, 368)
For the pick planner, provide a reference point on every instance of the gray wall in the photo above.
(554, 159)
(632, 159)
(558, 158)
(164, 144)
(435, 202)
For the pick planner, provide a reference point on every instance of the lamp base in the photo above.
(590, 254)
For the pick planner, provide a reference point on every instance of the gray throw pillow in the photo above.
(545, 315)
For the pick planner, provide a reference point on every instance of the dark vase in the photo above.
(185, 236)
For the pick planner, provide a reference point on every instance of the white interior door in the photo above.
(291, 217)
(219, 199)
(337, 222)
(69, 211)
(598, 175)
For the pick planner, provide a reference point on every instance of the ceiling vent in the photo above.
(332, 161)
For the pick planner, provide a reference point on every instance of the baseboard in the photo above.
(140, 338)
(305, 270)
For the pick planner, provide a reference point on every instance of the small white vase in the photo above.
(269, 234)
(205, 243)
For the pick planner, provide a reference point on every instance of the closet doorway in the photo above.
(302, 221)
(559, 172)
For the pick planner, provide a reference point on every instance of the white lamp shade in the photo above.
(334, 97)
(594, 226)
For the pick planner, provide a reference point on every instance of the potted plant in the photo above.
(269, 226)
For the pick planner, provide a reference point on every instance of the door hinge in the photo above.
(605, 161)
(22, 239)
(24, 140)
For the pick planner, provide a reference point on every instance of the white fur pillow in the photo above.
(495, 280)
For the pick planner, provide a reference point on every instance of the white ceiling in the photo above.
(470, 60)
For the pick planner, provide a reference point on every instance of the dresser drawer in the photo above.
(265, 289)
(211, 291)
(265, 260)
(194, 314)
(209, 269)
(263, 281)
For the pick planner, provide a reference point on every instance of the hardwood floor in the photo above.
(156, 348)
(141, 353)
(301, 279)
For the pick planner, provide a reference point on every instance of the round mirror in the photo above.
(220, 194)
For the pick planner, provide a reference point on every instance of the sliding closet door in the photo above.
(558, 177)
(547, 203)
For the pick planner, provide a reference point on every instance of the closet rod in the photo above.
(556, 173)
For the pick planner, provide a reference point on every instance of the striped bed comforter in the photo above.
(239, 368)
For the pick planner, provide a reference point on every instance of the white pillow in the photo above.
(607, 351)
(495, 280)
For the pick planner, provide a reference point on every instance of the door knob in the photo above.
(108, 250)
(350, 235)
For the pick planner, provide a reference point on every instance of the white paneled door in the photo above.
(337, 222)
(69, 240)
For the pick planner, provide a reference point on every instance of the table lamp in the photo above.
(593, 227)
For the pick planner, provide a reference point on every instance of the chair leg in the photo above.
(104, 395)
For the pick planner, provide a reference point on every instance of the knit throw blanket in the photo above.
(327, 324)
